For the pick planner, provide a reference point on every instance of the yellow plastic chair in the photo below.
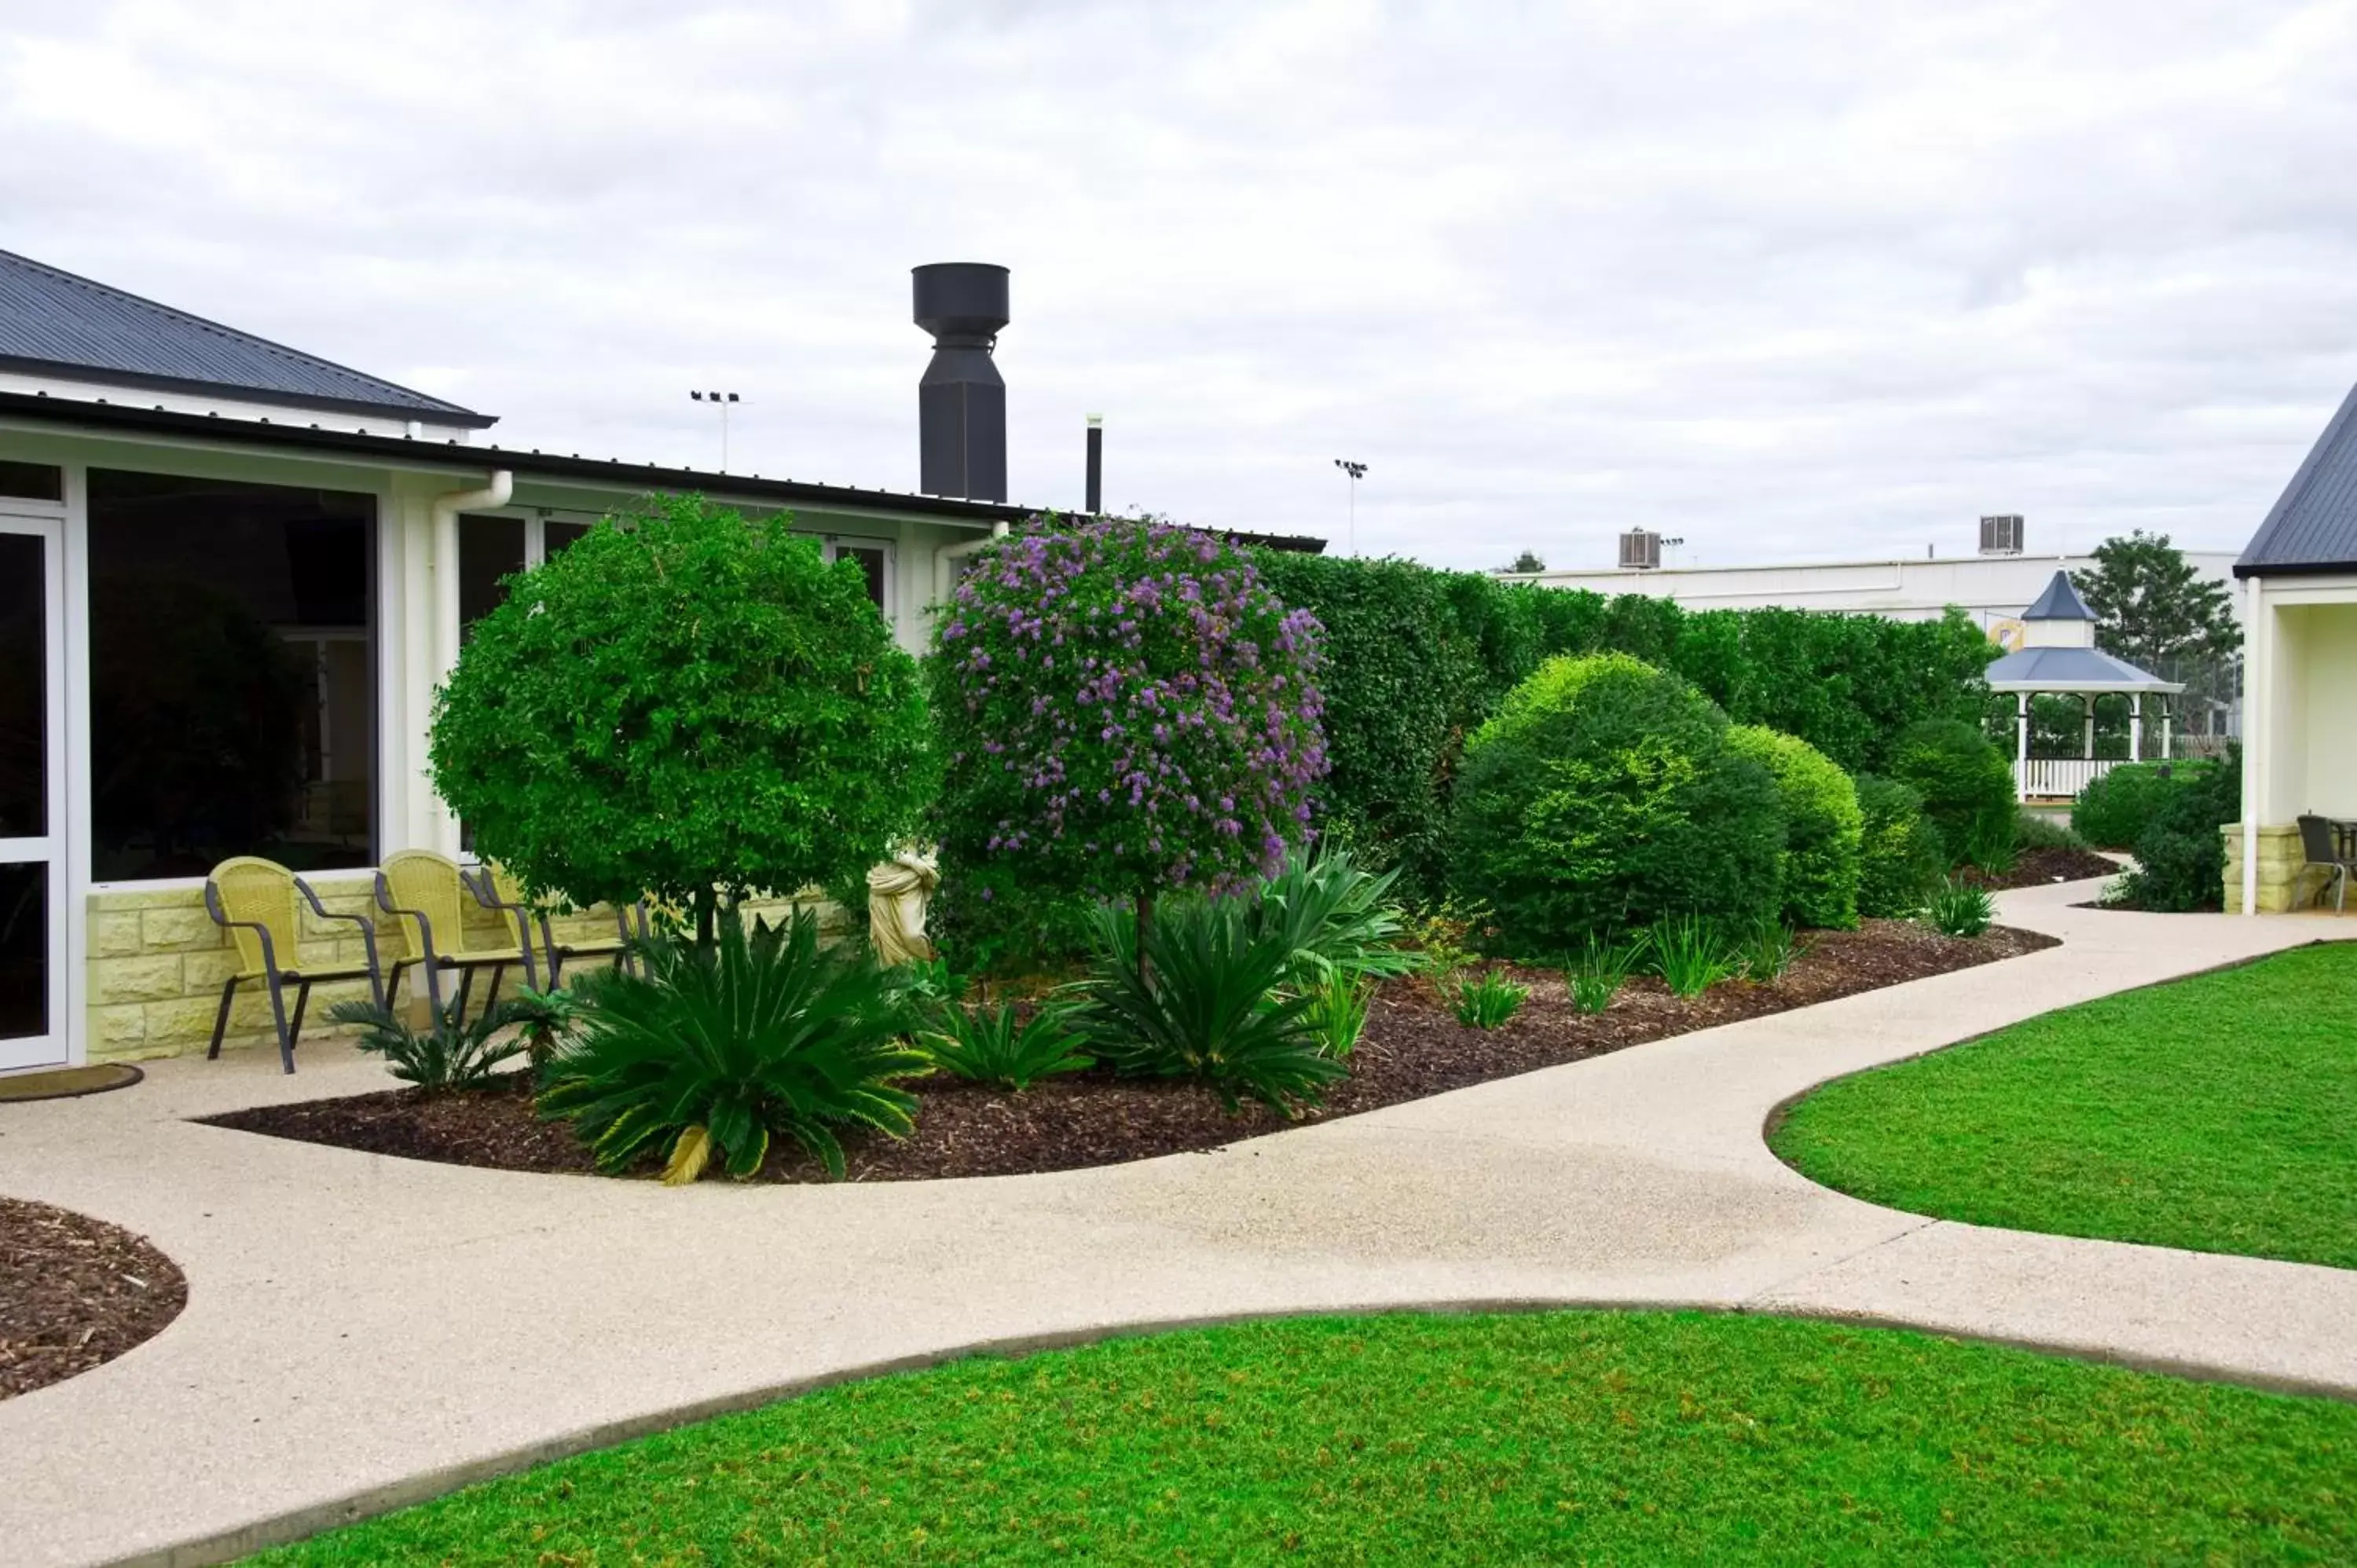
(501, 890)
(427, 894)
(254, 899)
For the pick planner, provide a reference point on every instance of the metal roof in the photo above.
(2313, 527)
(2061, 601)
(52, 320)
(2072, 670)
(460, 458)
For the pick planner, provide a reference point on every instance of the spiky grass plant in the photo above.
(717, 1047)
(1767, 950)
(991, 1043)
(1690, 954)
(1488, 1001)
(450, 1054)
(1338, 1011)
(1958, 910)
(1602, 968)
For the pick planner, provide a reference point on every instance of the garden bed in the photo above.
(75, 1292)
(1414, 1047)
(2043, 868)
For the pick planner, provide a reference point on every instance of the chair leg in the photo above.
(302, 1002)
(220, 1019)
(491, 997)
(278, 1017)
(466, 983)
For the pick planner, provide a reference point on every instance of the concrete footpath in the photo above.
(363, 1331)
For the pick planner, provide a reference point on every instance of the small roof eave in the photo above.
(2169, 688)
(2084, 669)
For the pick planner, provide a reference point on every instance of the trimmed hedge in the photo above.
(2114, 810)
(1822, 826)
(1966, 782)
(1603, 795)
(1901, 858)
(1418, 659)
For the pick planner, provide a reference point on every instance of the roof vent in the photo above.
(962, 401)
(1640, 551)
(2001, 536)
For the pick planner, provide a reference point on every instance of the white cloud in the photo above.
(1789, 281)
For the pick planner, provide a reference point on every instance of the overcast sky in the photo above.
(1799, 281)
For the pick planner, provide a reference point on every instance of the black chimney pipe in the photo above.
(961, 400)
(1096, 465)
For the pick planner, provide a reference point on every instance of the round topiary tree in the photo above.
(1822, 826)
(687, 704)
(1126, 707)
(1966, 784)
(1603, 795)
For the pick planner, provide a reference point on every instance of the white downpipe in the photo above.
(446, 510)
(2257, 674)
(945, 558)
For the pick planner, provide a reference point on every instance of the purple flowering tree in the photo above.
(1126, 707)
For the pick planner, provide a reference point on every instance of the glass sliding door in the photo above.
(33, 892)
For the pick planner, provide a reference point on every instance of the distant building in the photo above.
(1993, 587)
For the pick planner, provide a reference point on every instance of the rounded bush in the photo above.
(1602, 795)
(2181, 853)
(1966, 782)
(1822, 825)
(691, 701)
(1901, 858)
(2113, 811)
(1126, 707)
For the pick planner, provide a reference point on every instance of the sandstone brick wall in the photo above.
(2282, 884)
(158, 962)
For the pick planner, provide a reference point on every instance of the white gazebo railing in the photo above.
(2059, 777)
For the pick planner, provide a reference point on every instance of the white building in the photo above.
(1993, 588)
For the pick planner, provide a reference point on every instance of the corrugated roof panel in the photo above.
(52, 317)
(2313, 527)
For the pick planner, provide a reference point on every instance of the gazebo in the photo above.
(2058, 657)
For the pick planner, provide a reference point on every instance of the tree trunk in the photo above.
(706, 926)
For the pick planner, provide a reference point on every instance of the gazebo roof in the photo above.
(2061, 601)
(2072, 670)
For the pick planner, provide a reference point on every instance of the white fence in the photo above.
(2061, 777)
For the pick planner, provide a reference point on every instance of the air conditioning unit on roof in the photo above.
(2001, 536)
(1640, 551)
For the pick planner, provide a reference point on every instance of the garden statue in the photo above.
(897, 893)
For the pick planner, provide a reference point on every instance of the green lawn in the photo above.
(1576, 1436)
(2217, 1112)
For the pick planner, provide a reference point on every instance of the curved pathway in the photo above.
(364, 1331)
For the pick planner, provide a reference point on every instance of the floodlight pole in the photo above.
(720, 401)
(1354, 472)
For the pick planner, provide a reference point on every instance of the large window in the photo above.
(492, 549)
(232, 675)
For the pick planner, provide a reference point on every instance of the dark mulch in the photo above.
(75, 1291)
(2041, 868)
(1414, 1047)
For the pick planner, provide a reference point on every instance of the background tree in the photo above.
(1126, 707)
(689, 703)
(2152, 608)
(1528, 561)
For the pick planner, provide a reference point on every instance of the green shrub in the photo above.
(452, 1055)
(2114, 810)
(2034, 830)
(543, 1019)
(2180, 854)
(1601, 796)
(1690, 953)
(1207, 1004)
(1338, 1014)
(1966, 782)
(1822, 826)
(1417, 659)
(1490, 1002)
(991, 1044)
(1901, 858)
(718, 1046)
(693, 704)
(1958, 909)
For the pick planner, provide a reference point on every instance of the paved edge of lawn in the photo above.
(1770, 1124)
(427, 1485)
